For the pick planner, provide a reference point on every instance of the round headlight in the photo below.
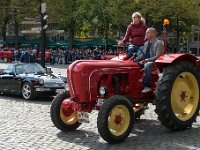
(102, 91)
(41, 81)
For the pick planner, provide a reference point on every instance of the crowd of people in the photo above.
(57, 55)
(66, 56)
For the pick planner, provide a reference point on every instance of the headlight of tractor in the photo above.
(41, 81)
(103, 91)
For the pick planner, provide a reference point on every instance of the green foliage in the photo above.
(83, 18)
(108, 17)
(19, 9)
(183, 13)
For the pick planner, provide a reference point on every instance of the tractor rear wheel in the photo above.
(115, 119)
(177, 96)
(63, 118)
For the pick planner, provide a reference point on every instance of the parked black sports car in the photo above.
(29, 80)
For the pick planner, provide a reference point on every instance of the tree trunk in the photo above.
(106, 42)
(16, 34)
(178, 34)
(4, 33)
(147, 19)
(71, 38)
(4, 29)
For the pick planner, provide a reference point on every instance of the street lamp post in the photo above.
(165, 24)
(43, 32)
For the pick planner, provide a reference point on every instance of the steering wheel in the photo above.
(134, 55)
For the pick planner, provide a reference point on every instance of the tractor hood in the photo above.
(83, 75)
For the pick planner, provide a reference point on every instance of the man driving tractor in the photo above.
(153, 48)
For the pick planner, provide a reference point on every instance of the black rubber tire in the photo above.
(163, 96)
(102, 120)
(55, 113)
(32, 94)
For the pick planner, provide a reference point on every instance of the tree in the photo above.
(90, 16)
(14, 11)
(106, 18)
(181, 13)
(22, 9)
(5, 14)
(65, 12)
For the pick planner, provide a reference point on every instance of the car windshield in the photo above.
(29, 68)
(6, 69)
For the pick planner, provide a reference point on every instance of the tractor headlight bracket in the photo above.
(103, 91)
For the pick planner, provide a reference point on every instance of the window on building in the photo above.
(10, 30)
(196, 37)
(193, 51)
(54, 38)
(62, 38)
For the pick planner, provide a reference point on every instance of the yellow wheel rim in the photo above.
(119, 120)
(185, 96)
(5, 60)
(69, 120)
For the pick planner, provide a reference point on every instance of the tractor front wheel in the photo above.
(177, 96)
(115, 119)
(63, 115)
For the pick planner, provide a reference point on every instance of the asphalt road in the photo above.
(27, 125)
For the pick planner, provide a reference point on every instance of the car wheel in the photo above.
(27, 91)
(115, 119)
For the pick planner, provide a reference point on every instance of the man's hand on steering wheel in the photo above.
(133, 57)
(144, 61)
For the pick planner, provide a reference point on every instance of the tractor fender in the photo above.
(168, 59)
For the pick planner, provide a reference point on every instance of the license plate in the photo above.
(83, 117)
(100, 102)
(60, 90)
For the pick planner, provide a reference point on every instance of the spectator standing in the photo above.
(27, 57)
(16, 54)
(96, 54)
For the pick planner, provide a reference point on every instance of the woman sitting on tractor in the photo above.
(135, 33)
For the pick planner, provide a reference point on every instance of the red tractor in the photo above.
(6, 56)
(114, 88)
(47, 56)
